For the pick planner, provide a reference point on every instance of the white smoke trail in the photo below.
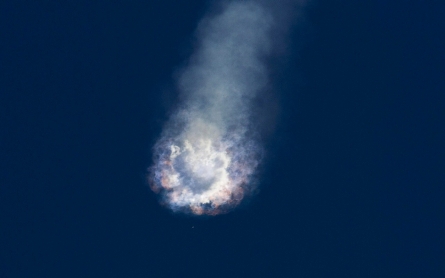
(207, 153)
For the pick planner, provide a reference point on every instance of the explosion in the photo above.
(206, 157)
(203, 171)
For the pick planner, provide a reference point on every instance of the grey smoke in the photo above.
(208, 151)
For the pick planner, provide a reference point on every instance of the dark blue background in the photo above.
(353, 182)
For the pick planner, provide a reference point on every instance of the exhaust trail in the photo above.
(207, 154)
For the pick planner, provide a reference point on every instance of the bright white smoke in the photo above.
(207, 153)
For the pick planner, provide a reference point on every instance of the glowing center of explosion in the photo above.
(201, 172)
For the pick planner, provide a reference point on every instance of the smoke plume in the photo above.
(206, 157)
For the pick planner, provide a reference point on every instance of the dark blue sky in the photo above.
(352, 185)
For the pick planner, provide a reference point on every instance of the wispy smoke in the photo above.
(207, 154)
